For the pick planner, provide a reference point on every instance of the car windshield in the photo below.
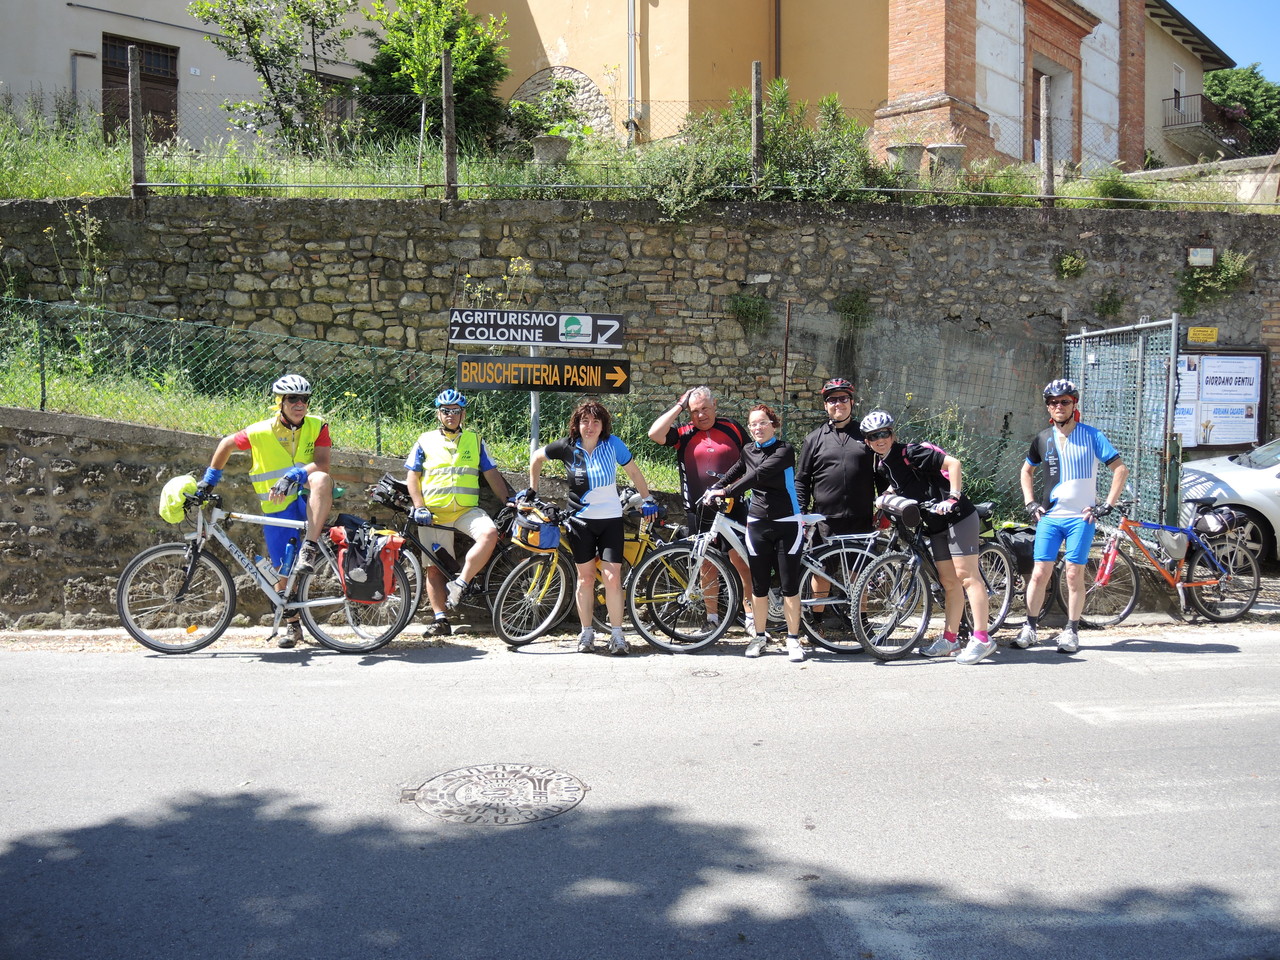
(1267, 455)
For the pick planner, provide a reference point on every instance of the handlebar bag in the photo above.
(535, 532)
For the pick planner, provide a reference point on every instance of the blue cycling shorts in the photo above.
(1052, 531)
(278, 537)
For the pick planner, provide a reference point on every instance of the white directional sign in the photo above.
(536, 328)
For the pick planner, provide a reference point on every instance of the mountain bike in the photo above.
(1204, 563)
(685, 595)
(180, 597)
(895, 593)
(421, 551)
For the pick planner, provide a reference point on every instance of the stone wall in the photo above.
(957, 294)
(80, 497)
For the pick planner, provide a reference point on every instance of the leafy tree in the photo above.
(408, 63)
(1246, 87)
(288, 43)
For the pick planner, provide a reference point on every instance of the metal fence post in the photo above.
(757, 124)
(450, 135)
(1046, 143)
(137, 131)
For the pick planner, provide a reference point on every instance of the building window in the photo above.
(159, 85)
(1179, 86)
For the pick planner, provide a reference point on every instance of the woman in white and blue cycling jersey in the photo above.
(592, 456)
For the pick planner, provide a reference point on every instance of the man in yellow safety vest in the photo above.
(290, 473)
(444, 469)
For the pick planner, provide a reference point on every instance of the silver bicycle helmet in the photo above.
(291, 383)
(1061, 388)
(876, 420)
(450, 397)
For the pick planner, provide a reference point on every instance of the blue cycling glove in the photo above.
(420, 515)
(212, 477)
(648, 507)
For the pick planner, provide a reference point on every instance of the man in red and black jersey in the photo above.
(705, 445)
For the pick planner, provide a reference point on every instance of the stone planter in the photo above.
(549, 148)
(946, 159)
(906, 157)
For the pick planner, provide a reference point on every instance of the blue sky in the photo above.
(1247, 31)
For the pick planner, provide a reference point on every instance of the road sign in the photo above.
(558, 374)
(536, 328)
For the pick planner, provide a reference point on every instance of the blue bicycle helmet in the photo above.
(450, 397)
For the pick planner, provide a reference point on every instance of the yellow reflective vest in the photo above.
(450, 469)
(275, 449)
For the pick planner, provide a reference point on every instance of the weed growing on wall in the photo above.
(1201, 285)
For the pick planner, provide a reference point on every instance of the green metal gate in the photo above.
(1127, 378)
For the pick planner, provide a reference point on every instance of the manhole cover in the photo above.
(498, 794)
(706, 674)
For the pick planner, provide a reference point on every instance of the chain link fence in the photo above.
(369, 147)
(215, 380)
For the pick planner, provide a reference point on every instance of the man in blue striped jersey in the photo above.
(1070, 452)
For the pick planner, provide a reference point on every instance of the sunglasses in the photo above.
(451, 411)
(838, 399)
(880, 435)
(297, 398)
(1060, 402)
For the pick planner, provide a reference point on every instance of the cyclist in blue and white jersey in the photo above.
(1070, 452)
(592, 456)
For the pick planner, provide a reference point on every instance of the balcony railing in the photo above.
(1197, 124)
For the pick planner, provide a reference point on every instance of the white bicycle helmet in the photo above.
(876, 420)
(291, 383)
(450, 397)
(1061, 388)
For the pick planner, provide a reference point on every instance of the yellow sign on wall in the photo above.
(1202, 335)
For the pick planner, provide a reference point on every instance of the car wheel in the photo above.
(1257, 533)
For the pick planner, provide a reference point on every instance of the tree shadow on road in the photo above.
(262, 875)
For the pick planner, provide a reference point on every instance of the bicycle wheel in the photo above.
(1234, 594)
(679, 604)
(530, 598)
(893, 603)
(164, 609)
(505, 558)
(343, 625)
(999, 571)
(1106, 604)
(827, 617)
(417, 580)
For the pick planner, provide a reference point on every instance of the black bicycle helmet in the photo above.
(1061, 388)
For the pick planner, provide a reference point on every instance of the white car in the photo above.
(1249, 483)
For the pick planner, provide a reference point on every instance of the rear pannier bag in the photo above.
(366, 558)
(1216, 522)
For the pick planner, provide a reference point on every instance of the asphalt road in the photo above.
(247, 802)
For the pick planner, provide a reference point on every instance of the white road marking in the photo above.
(1117, 714)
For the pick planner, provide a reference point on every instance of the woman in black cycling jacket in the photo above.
(774, 533)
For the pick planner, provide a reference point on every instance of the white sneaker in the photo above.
(1068, 641)
(795, 652)
(976, 650)
(587, 641)
(1026, 637)
(942, 647)
(756, 647)
(618, 646)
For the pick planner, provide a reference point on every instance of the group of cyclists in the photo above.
(831, 485)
